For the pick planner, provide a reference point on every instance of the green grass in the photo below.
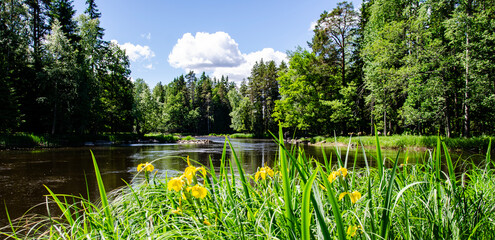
(242, 135)
(397, 141)
(161, 137)
(26, 140)
(432, 199)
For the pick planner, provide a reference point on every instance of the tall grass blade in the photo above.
(386, 212)
(223, 173)
(488, 158)
(437, 154)
(284, 171)
(10, 221)
(379, 158)
(103, 195)
(347, 153)
(335, 208)
(241, 173)
(62, 206)
(305, 211)
(450, 167)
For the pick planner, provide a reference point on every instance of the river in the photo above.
(25, 173)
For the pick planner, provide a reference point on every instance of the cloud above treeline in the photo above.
(218, 54)
(136, 52)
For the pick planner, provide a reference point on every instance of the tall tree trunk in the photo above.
(343, 66)
(466, 90)
(371, 118)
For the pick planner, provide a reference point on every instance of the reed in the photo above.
(297, 198)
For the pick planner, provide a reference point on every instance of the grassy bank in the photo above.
(298, 198)
(397, 141)
(30, 140)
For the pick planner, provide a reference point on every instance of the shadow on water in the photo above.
(63, 170)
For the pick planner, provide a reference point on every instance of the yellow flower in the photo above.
(178, 211)
(206, 222)
(175, 184)
(146, 166)
(189, 173)
(342, 195)
(202, 169)
(263, 172)
(198, 191)
(342, 172)
(191, 170)
(332, 176)
(355, 196)
(352, 230)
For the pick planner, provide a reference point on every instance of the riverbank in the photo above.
(473, 144)
(296, 198)
(29, 140)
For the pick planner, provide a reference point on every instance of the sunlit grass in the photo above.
(296, 198)
(398, 141)
(242, 135)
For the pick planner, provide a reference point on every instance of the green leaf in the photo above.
(305, 211)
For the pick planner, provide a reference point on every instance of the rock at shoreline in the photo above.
(197, 141)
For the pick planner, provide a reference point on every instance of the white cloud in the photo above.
(243, 71)
(218, 53)
(136, 52)
(205, 52)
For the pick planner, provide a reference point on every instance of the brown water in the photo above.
(23, 174)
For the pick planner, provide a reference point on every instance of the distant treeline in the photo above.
(417, 67)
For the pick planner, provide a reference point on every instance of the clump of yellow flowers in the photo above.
(146, 167)
(263, 172)
(352, 230)
(355, 196)
(188, 178)
(340, 172)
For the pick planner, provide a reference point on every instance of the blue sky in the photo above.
(165, 39)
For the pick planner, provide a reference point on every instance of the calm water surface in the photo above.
(23, 174)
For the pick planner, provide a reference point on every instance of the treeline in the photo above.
(417, 67)
(204, 105)
(57, 74)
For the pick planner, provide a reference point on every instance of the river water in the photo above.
(25, 173)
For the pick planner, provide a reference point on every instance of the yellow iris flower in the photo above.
(146, 167)
(332, 176)
(263, 172)
(355, 196)
(352, 230)
(175, 184)
(189, 173)
(191, 170)
(340, 172)
(198, 191)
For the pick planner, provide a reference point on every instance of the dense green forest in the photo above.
(408, 66)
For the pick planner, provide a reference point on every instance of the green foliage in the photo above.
(299, 200)
(242, 135)
(404, 66)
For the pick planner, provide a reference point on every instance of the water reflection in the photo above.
(23, 173)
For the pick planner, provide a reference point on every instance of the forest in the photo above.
(421, 67)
